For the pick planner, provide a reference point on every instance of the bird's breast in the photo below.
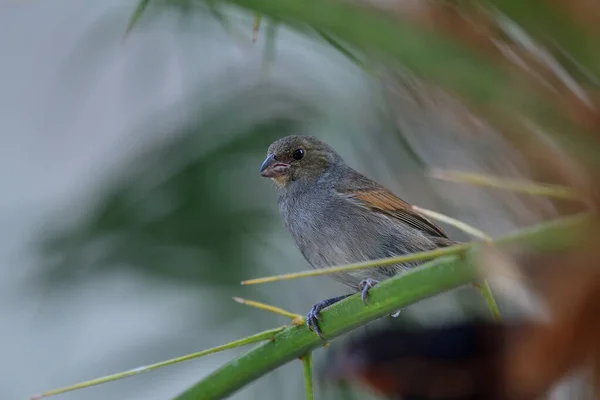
(330, 231)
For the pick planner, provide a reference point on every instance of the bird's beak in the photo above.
(272, 168)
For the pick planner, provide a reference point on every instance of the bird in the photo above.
(336, 216)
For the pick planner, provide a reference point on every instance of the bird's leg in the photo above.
(364, 287)
(312, 318)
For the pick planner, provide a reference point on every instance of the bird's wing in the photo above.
(383, 201)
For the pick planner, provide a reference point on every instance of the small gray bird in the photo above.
(338, 216)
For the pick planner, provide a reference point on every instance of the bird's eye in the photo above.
(298, 154)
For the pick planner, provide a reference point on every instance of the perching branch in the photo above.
(433, 278)
(265, 335)
(437, 276)
(384, 299)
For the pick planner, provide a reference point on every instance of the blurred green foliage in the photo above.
(179, 210)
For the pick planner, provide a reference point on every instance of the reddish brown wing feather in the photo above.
(389, 204)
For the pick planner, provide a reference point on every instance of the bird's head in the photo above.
(296, 157)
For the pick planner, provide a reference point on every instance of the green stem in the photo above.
(384, 299)
(136, 15)
(308, 379)
(421, 256)
(488, 297)
(430, 279)
(531, 233)
(511, 184)
(265, 335)
(343, 50)
(548, 24)
(256, 26)
(270, 47)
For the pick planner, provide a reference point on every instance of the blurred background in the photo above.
(131, 205)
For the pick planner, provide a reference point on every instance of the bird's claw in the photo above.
(312, 318)
(364, 287)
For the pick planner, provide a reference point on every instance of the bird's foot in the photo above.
(364, 287)
(312, 318)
